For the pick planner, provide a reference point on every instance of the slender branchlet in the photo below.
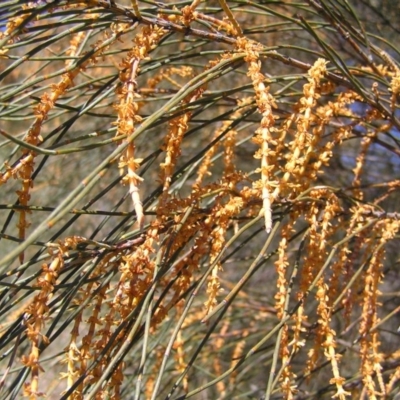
(225, 128)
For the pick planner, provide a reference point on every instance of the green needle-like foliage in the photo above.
(199, 199)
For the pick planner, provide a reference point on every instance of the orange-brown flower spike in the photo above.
(263, 137)
(128, 110)
(329, 342)
(236, 27)
(172, 147)
(371, 357)
(36, 316)
(360, 161)
(73, 48)
(13, 24)
(304, 144)
(221, 218)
